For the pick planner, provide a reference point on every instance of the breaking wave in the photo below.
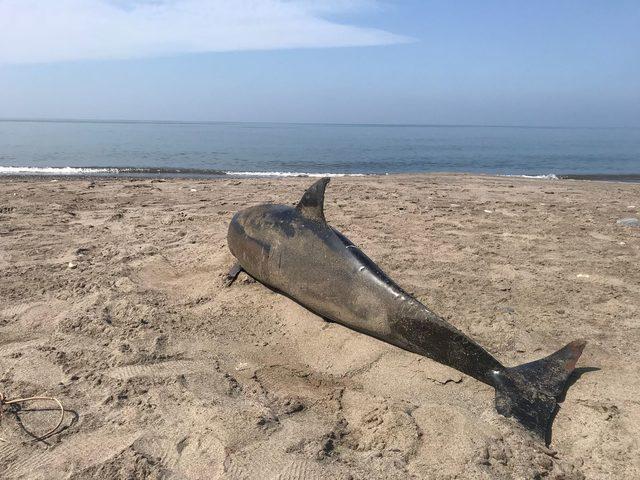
(142, 171)
(294, 174)
(54, 170)
(603, 177)
(548, 176)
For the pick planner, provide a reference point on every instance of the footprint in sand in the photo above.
(190, 456)
(297, 469)
(283, 382)
(301, 469)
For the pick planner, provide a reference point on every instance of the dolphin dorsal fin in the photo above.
(311, 205)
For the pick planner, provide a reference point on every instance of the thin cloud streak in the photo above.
(41, 31)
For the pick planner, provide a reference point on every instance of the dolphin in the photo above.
(293, 250)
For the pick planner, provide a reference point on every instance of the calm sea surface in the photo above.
(47, 147)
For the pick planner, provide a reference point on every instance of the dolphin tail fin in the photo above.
(530, 392)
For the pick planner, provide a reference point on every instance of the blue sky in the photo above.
(574, 63)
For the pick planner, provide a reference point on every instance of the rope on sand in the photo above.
(4, 401)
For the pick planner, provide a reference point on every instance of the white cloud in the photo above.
(33, 31)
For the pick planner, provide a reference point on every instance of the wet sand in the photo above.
(112, 301)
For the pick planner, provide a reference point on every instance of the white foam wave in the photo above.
(154, 171)
(548, 176)
(294, 174)
(54, 170)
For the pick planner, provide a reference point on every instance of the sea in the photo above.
(140, 148)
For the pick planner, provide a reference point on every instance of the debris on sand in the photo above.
(629, 222)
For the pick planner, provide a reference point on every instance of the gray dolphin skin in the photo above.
(294, 251)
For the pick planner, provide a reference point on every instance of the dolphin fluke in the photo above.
(530, 392)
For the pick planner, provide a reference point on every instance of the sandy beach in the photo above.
(111, 299)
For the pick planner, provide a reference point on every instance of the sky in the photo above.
(470, 62)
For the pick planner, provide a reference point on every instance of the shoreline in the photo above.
(198, 174)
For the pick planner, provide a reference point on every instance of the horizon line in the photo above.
(337, 124)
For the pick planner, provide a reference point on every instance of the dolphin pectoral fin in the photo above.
(311, 205)
(530, 392)
(232, 275)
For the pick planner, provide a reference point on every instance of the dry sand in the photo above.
(112, 301)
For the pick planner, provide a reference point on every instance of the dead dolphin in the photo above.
(295, 251)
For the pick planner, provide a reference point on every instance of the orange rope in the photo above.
(4, 401)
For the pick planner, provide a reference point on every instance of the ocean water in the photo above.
(168, 148)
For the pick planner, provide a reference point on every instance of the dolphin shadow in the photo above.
(573, 378)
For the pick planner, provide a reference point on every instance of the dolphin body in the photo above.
(294, 251)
